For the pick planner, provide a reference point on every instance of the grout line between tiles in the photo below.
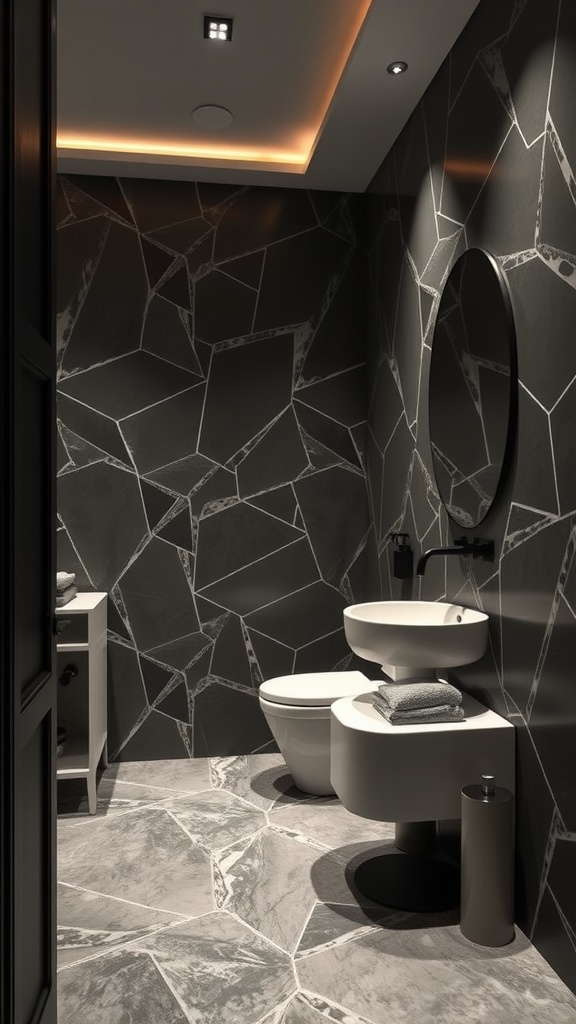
(100, 954)
(120, 899)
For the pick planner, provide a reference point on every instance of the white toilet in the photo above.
(297, 709)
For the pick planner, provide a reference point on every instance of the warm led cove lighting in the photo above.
(149, 147)
(295, 158)
(398, 67)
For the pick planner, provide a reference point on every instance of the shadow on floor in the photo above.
(350, 858)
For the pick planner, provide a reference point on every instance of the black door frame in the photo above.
(27, 528)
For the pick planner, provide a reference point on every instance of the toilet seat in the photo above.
(314, 689)
(298, 711)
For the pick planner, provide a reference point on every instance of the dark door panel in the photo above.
(33, 868)
(27, 516)
(33, 532)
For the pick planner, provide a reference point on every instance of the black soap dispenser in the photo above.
(403, 556)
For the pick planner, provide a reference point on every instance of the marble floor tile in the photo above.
(89, 924)
(183, 775)
(308, 1008)
(399, 972)
(216, 819)
(143, 856)
(123, 987)
(113, 796)
(333, 923)
(213, 892)
(328, 822)
(261, 779)
(221, 971)
(269, 884)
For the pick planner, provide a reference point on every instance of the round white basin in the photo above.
(416, 635)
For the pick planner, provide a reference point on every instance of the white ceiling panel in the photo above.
(305, 80)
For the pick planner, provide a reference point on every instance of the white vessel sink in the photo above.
(415, 637)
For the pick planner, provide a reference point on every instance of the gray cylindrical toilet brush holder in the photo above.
(487, 866)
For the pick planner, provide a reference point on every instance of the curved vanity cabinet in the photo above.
(415, 772)
(81, 646)
(413, 775)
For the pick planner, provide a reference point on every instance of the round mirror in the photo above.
(472, 391)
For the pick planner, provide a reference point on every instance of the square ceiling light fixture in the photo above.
(218, 29)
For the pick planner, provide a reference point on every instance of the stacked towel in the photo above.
(418, 703)
(64, 580)
(64, 596)
(65, 588)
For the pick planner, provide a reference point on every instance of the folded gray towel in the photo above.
(64, 580)
(405, 696)
(66, 596)
(418, 716)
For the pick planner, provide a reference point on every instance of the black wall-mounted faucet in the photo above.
(483, 549)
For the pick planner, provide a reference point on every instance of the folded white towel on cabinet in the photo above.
(64, 596)
(64, 580)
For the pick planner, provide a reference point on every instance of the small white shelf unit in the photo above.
(82, 707)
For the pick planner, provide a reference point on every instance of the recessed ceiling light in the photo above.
(218, 28)
(210, 116)
(398, 67)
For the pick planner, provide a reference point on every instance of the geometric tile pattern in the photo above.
(211, 423)
(281, 936)
(488, 159)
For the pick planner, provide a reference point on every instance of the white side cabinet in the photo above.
(81, 645)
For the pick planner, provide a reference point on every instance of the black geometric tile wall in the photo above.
(211, 432)
(489, 159)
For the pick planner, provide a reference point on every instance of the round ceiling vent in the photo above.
(210, 116)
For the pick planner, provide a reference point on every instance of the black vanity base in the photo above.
(411, 882)
(417, 880)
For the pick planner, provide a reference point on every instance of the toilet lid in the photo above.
(314, 688)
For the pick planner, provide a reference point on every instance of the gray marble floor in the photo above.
(213, 892)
